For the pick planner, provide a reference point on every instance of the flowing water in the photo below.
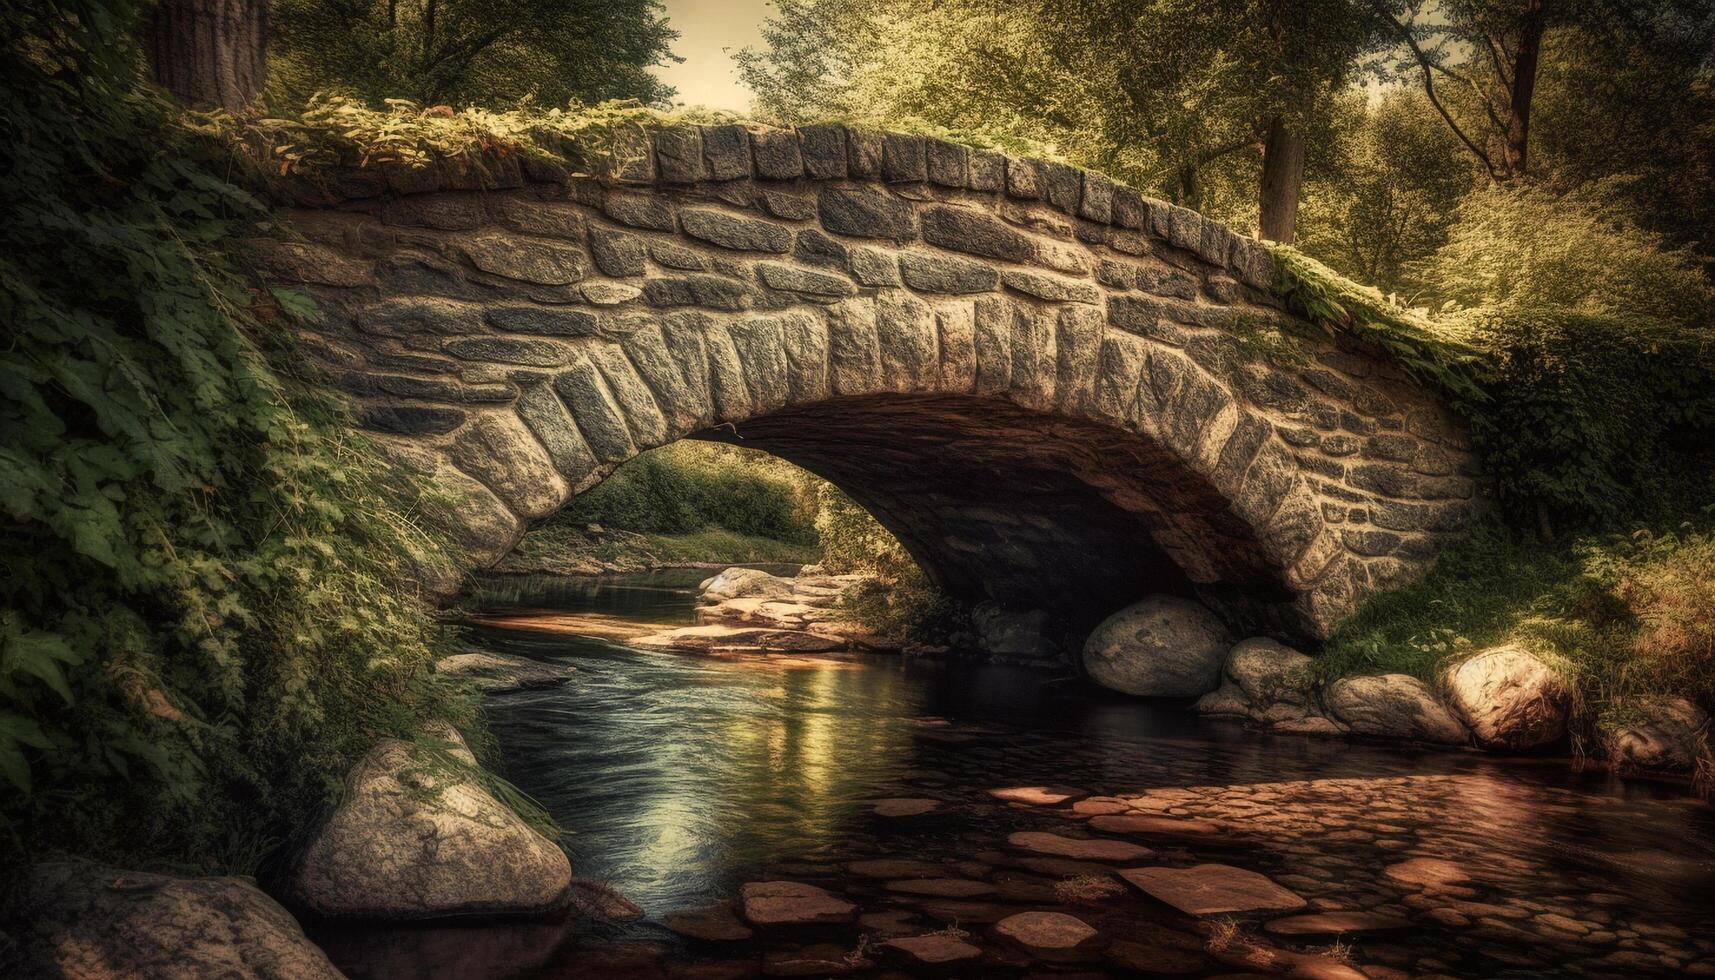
(684, 777)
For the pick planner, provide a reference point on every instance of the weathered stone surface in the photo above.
(941, 887)
(932, 950)
(1510, 699)
(944, 274)
(735, 232)
(1164, 646)
(1269, 672)
(1393, 706)
(416, 838)
(496, 673)
(1283, 492)
(804, 280)
(1212, 889)
(500, 451)
(86, 921)
(975, 232)
(743, 583)
(1016, 633)
(787, 903)
(865, 213)
(1078, 848)
(1665, 734)
(527, 260)
(1048, 935)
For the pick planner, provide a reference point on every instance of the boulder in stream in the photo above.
(1659, 735)
(1510, 698)
(499, 673)
(1393, 706)
(84, 921)
(418, 837)
(1164, 646)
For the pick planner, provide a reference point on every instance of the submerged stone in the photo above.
(781, 903)
(1212, 889)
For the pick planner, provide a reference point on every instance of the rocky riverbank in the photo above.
(1503, 699)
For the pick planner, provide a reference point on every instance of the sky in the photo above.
(710, 32)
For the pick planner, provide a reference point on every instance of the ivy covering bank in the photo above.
(207, 600)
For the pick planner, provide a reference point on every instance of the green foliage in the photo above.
(1593, 421)
(1622, 616)
(334, 132)
(205, 607)
(1318, 294)
(901, 601)
(1529, 248)
(1165, 95)
(690, 486)
(1387, 190)
(483, 52)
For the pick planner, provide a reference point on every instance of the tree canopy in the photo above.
(485, 52)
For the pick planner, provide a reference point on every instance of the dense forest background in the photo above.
(209, 600)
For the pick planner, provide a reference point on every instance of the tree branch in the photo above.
(1429, 86)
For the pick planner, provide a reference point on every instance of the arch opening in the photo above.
(1029, 510)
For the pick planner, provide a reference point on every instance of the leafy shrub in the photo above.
(1530, 249)
(901, 601)
(1589, 421)
(206, 608)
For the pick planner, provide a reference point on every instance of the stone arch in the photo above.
(821, 291)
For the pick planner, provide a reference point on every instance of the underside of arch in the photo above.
(1029, 509)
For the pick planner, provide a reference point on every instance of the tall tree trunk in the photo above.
(1517, 135)
(212, 52)
(1282, 176)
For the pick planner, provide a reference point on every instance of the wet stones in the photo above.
(1393, 706)
(1428, 872)
(935, 949)
(713, 924)
(493, 673)
(1053, 936)
(1038, 795)
(1510, 699)
(894, 809)
(790, 903)
(1164, 646)
(1212, 889)
(1666, 734)
(1335, 923)
(1078, 848)
(941, 887)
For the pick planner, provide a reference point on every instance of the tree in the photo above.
(486, 52)
(1479, 61)
(1389, 190)
(211, 52)
(1194, 97)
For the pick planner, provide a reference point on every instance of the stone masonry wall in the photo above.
(520, 332)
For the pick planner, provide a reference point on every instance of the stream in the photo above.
(684, 777)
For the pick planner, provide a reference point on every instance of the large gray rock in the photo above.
(1662, 734)
(417, 837)
(78, 920)
(744, 583)
(1393, 706)
(1013, 633)
(1269, 672)
(1511, 699)
(1164, 646)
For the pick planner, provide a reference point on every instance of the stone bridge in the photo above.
(1054, 390)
